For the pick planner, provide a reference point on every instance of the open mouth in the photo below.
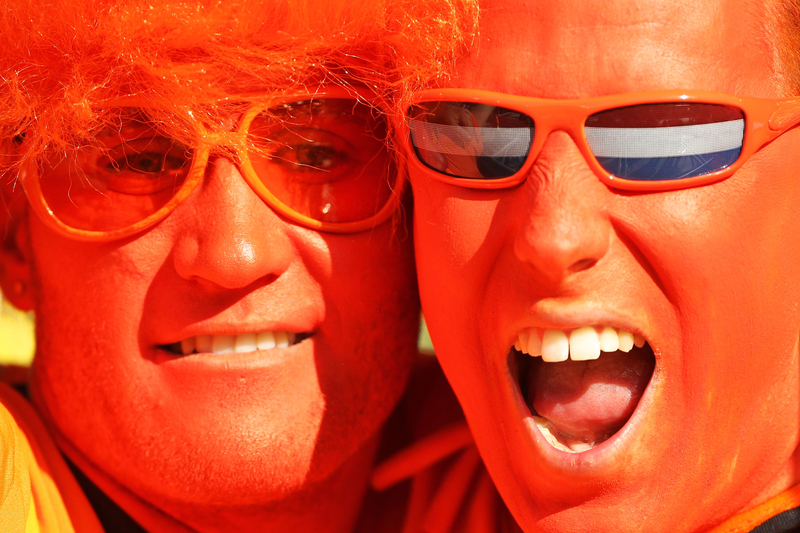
(581, 385)
(243, 343)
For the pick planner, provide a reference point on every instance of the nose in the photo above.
(229, 237)
(565, 228)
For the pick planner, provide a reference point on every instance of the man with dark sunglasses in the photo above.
(607, 242)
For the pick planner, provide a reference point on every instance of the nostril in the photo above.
(583, 264)
(554, 257)
(559, 241)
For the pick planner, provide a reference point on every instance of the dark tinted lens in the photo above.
(470, 140)
(670, 141)
(129, 172)
(324, 158)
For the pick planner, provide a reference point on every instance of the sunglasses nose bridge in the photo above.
(559, 116)
(563, 228)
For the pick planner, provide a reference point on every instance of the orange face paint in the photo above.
(135, 307)
(705, 276)
(111, 379)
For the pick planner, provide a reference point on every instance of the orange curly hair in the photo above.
(62, 64)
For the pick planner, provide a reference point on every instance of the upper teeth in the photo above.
(582, 344)
(246, 342)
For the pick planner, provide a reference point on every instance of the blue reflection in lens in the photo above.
(668, 168)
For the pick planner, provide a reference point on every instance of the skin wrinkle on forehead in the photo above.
(569, 42)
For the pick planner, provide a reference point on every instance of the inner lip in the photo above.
(176, 349)
(525, 370)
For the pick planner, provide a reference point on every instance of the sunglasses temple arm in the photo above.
(786, 116)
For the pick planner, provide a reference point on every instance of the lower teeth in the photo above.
(572, 445)
(546, 428)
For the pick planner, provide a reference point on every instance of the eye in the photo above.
(322, 155)
(325, 159)
(307, 155)
(141, 166)
(322, 141)
(149, 162)
(145, 156)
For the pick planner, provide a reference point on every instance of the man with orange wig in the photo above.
(203, 214)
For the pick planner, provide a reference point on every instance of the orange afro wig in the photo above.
(62, 64)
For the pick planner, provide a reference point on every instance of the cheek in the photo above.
(367, 343)
(89, 307)
(733, 284)
(90, 294)
(451, 225)
(456, 250)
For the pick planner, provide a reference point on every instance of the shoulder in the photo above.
(15, 490)
(37, 489)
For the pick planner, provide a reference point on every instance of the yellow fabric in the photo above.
(15, 491)
(32, 526)
(38, 492)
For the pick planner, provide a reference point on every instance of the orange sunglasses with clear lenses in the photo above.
(648, 141)
(320, 160)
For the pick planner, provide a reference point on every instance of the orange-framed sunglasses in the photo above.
(647, 141)
(320, 160)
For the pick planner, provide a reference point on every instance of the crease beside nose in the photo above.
(565, 229)
(232, 239)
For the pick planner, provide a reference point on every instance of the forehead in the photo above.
(581, 48)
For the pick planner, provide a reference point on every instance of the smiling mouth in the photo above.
(581, 385)
(242, 343)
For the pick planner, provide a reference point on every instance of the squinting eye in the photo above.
(146, 163)
(317, 156)
(325, 159)
(317, 142)
(142, 166)
(146, 156)
(310, 157)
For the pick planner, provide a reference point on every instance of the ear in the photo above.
(15, 253)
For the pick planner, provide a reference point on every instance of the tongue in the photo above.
(590, 400)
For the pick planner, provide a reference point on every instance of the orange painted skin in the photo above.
(280, 440)
(227, 442)
(707, 275)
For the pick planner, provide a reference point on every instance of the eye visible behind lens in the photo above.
(666, 141)
(141, 167)
(324, 158)
(128, 172)
(470, 140)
